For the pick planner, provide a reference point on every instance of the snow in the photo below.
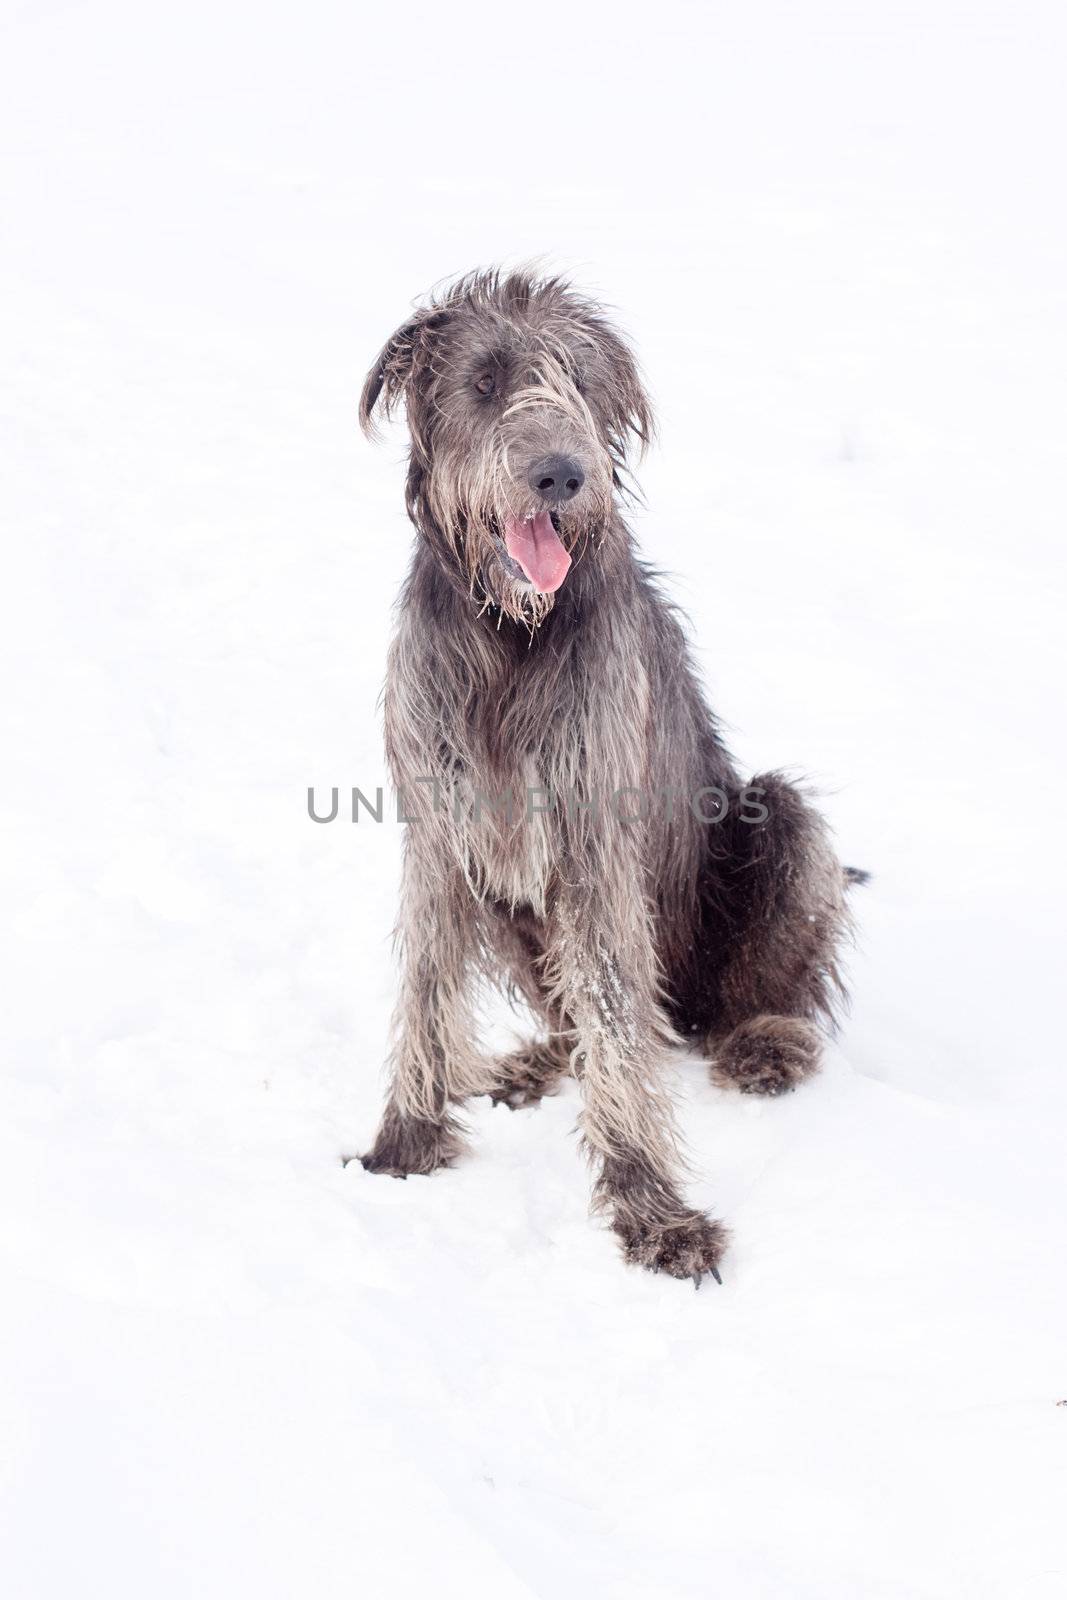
(232, 1366)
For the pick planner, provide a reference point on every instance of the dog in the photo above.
(578, 831)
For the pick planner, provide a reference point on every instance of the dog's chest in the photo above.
(505, 835)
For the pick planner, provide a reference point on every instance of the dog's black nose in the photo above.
(556, 478)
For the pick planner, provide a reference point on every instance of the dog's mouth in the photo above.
(534, 548)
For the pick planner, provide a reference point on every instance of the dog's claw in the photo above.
(696, 1280)
(715, 1275)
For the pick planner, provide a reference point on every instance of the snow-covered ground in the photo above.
(232, 1367)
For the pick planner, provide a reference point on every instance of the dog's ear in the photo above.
(632, 417)
(399, 361)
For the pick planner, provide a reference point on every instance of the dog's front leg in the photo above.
(602, 961)
(435, 1063)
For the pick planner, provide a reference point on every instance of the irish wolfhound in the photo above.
(579, 830)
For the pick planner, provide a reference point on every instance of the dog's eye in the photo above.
(486, 383)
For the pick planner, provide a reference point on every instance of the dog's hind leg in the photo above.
(782, 894)
(528, 1074)
(435, 1062)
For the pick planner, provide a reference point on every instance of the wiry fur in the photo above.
(622, 935)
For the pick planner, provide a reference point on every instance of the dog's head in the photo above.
(522, 403)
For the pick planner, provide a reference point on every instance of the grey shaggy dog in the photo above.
(579, 832)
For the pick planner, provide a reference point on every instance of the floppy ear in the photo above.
(632, 415)
(390, 375)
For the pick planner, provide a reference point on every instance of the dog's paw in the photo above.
(407, 1145)
(767, 1055)
(526, 1076)
(688, 1248)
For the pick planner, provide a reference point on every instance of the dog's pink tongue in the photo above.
(536, 546)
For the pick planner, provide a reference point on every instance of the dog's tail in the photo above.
(856, 875)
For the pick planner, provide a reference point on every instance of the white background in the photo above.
(233, 1368)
